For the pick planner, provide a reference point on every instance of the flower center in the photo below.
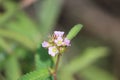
(54, 50)
(59, 42)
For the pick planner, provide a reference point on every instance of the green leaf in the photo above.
(2, 60)
(42, 59)
(95, 73)
(89, 56)
(4, 45)
(25, 26)
(74, 31)
(12, 68)
(10, 9)
(19, 38)
(40, 74)
(48, 14)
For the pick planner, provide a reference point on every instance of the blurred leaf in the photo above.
(4, 45)
(21, 53)
(2, 60)
(9, 9)
(19, 38)
(94, 73)
(48, 14)
(74, 31)
(40, 74)
(24, 25)
(12, 68)
(42, 59)
(89, 56)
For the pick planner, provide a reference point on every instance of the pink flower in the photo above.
(45, 44)
(53, 51)
(67, 42)
(59, 33)
(59, 41)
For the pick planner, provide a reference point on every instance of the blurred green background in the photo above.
(94, 53)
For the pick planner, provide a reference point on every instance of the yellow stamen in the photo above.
(54, 50)
(59, 42)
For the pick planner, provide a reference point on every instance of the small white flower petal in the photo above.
(52, 51)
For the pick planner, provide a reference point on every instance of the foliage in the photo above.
(74, 31)
(21, 36)
(39, 74)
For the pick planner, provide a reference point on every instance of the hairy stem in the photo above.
(56, 67)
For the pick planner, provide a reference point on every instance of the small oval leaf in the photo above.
(74, 31)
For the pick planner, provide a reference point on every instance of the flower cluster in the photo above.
(57, 43)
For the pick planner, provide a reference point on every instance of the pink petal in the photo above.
(67, 42)
(59, 39)
(59, 33)
(45, 44)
